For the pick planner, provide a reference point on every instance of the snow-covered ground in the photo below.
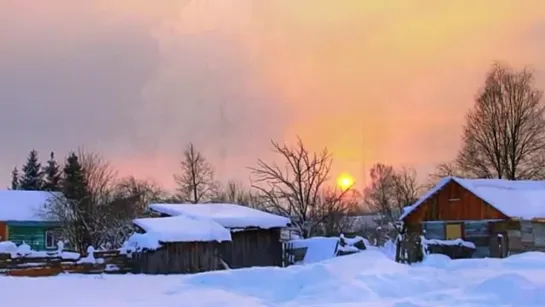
(368, 278)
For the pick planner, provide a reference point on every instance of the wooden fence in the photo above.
(292, 255)
(54, 264)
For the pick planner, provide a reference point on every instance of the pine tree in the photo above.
(15, 179)
(74, 188)
(52, 174)
(74, 183)
(32, 178)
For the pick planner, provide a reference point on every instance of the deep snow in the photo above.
(183, 229)
(18, 205)
(368, 278)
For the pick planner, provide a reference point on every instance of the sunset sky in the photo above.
(375, 81)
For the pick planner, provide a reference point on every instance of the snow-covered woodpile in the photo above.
(455, 249)
(349, 246)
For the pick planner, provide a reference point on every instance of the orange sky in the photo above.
(374, 81)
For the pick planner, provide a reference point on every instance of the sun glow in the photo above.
(345, 182)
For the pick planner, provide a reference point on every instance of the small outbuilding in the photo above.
(255, 234)
(500, 217)
(177, 244)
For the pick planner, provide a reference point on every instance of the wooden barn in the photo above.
(173, 245)
(255, 234)
(500, 217)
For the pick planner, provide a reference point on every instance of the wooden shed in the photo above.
(500, 217)
(256, 235)
(173, 245)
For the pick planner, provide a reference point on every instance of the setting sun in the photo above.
(345, 182)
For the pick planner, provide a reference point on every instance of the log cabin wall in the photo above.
(253, 247)
(178, 258)
(453, 203)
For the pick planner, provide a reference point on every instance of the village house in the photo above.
(23, 219)
(255, 234)
(501, 217)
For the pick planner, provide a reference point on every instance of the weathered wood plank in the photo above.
(539, 234)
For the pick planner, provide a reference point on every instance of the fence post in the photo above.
(398, 250)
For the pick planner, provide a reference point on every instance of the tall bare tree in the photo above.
(195, 181)
(390, 191)
(504, 134)
(293, 188)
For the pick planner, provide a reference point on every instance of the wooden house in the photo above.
(500, 217)
(23, 219)
(178, 244)
(255, 234)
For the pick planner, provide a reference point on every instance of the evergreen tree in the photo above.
(32, 178)
(52, 174)
(15, 179)
(74, 188)
(74, 183)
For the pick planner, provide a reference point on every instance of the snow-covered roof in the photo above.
(183, 229)
(17, 205)
(227, 215)
(523, 199)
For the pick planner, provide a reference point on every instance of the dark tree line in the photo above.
(95, 206)
(35, 177)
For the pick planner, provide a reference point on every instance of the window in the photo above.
(50, 239)
(476, 229)
(434, 230)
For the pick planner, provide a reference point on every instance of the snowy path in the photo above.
(366, 279)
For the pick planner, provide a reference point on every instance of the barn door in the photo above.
(453, 231)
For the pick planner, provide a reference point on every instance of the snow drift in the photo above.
(368, 278)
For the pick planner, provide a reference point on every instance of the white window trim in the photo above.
(45, 237)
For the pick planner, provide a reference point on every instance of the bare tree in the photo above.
(337, 208)
(234, 192)
(101, 213)
(504, 134)
(406, 186)
(294, 187)
(442, 170)
(148, 191)
(390, 191)
(196, 178)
